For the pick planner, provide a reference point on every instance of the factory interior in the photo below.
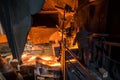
(59, 40)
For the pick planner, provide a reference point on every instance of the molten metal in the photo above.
(30, 59)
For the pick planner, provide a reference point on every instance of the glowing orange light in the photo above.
(71, 60)
(29, 59)
(56, 64)
(46, 58)
(32, 58)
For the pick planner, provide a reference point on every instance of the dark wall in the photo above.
(113, 18)
(50, 20)
(113, 27)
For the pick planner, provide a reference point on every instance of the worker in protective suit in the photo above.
(82, 39)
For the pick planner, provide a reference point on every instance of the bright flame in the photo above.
(29, 59)
(71, 60)
(32, 58)
(46, 58)
(24, 55)
(56, 64)
(50, 61)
